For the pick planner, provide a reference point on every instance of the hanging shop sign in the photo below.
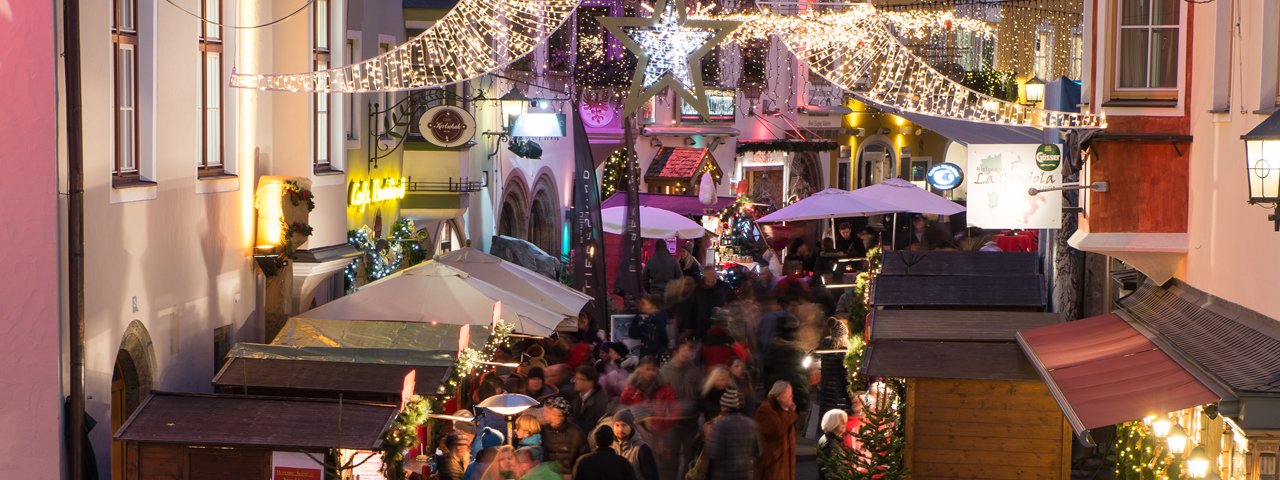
(945, 176)
(1000, 176)
(363, 192)
(447, 126)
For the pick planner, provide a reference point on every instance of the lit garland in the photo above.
(1140, 455)
(475, 38)
(403, 435)
(470, 360)
(614, 178)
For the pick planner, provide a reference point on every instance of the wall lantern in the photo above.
(513, 104)
(1177, 440)
(1198, 463)
(1160, 427)
(1034, 90)
(1262, 162)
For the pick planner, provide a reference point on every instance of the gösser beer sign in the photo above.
(447, 126)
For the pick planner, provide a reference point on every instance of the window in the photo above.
(1147, 45)
(321, 158)
(210, 163)
(1044, 52)
(352, 55)
(1076, 67)
(124, 40)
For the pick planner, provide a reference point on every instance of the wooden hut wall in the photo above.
(985, 429)
(161, 461)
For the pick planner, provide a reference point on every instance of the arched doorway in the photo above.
(450, 237)
(132, 378)
(876, 163)
(544, 218)
(513, 218)
(806, 175)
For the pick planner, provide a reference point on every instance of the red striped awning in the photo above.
(1103, 371)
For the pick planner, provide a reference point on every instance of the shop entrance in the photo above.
(132, 379)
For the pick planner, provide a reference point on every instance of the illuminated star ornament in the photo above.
(670, 48)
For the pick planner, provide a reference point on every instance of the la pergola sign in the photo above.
(363, 192)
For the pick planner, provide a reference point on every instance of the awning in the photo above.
(1103, 371)
(964, 131)
(954, 325)
(682, 204)
(705, 130)
(323, 378)
(921, 291)
(956, 360)
(261, 422)
(1156, 255)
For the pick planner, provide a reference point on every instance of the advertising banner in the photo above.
(1000, 177)
(295, 466)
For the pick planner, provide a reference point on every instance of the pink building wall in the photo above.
(30, 391)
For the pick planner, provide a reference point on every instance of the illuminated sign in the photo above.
(945, 176)
(363, 192)
(1000, 176)
(720, 107)
(1048, 157)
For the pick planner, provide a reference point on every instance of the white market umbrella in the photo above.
(906, 197)
(435, 292)
(654, 223)
(829, 203)
(533, 286)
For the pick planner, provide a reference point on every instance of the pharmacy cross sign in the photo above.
(670, 48)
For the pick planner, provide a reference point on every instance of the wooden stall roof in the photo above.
(252, 421)
(954, 325)
(1022, 291)
(960, 263)
(322, 376)
(957, 360)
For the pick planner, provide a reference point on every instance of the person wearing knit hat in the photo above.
(632, 447)
(562, 441)
(733, 443)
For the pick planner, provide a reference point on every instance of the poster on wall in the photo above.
(294, 466)
(999, 177)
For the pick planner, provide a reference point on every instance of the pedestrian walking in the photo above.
(562, 441)
(733, 443)
(718, 382)
(830, 446)
(589, 399)
(710, 295)
(685, 378)
(632, 447)
(651, 329)
(452, 464)
(531, 466)
(776, 420)
(660, 269)
(604, 462)
(784, 360)
(742, 379)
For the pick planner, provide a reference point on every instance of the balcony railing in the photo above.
(449, 185)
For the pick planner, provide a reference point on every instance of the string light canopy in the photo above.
(856, 50)
(669, 47)
(475, 38)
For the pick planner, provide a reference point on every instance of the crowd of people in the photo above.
(710, 382)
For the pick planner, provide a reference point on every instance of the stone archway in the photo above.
(544, 215)
(806, 175)
(513, 216)
(131, 380)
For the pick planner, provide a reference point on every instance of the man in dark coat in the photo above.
(563, 441)
(589, 399)
(660, 269)
(710, 295)
(605, 462)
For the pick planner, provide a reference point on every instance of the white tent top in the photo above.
(509, 276)
(654, 223)
(435, 292)
(829, 203)
(906, 197)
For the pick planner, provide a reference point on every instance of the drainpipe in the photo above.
(75, 233)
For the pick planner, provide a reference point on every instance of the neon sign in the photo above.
(363, 192)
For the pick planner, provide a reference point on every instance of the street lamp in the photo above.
(509, 405)
(1160, 426)
(513, 104)
(1262, 162)
(1198, 463)
(1034, 90)
(1177, 440)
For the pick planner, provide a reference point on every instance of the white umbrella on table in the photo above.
(435, 292)
(906, 197)
(654, 223)
(535, 287)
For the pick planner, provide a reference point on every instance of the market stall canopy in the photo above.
(682, 163)
(941, 262)
(906, 197)
(829, 203)
(1103, 371)
(926, 291)
(531, 285)
(681, 204)
(377, 374)
(967, 344)
(252, 421)
(654, 223)
(433, 292)
(374, 336)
